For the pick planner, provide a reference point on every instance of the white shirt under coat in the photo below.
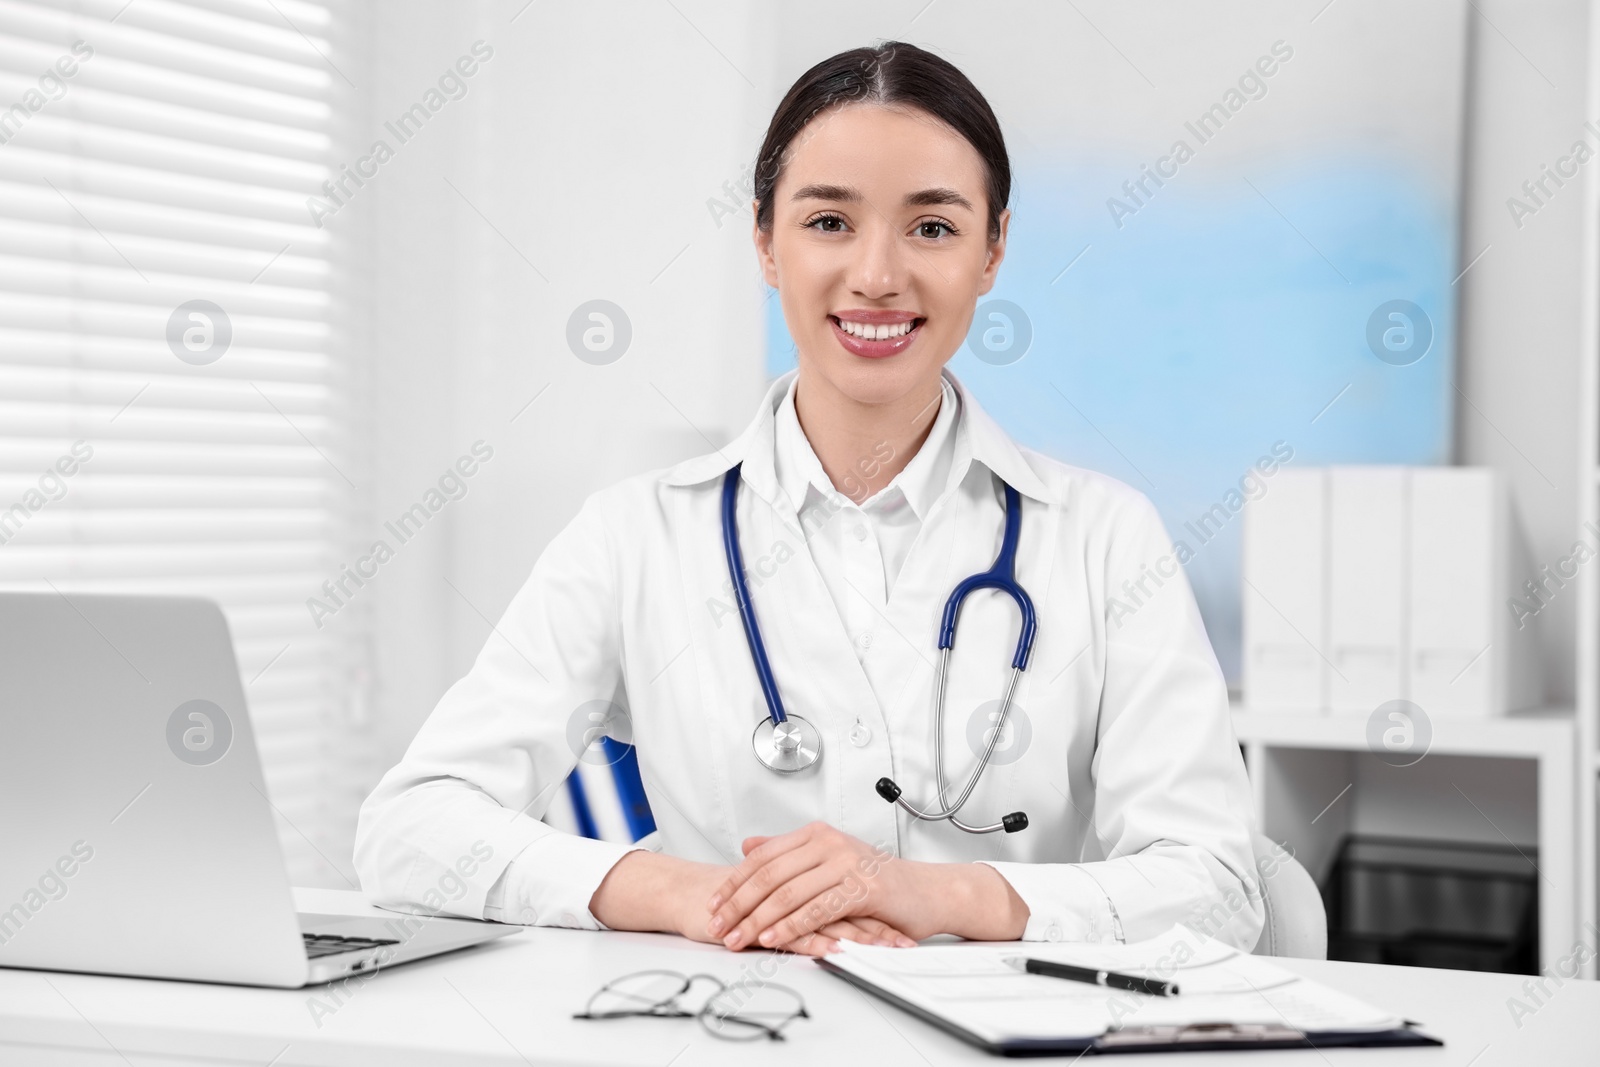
(1126, 765)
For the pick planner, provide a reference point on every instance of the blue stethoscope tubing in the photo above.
(782, 742)
(788, 743)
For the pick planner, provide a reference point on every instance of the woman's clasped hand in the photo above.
(809, 889)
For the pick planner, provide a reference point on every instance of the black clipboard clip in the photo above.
(1215, 1034)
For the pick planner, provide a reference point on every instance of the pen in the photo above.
(1096, 977)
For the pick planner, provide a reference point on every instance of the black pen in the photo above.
(1112, 979)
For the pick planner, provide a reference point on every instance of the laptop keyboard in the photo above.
(318, 945)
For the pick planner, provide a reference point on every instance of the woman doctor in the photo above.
(868, 484)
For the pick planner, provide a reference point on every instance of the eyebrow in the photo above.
(849, 194)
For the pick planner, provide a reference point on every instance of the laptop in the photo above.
(136, 835)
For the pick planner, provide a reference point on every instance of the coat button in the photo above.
(861, 532)
(529, 917)
(860, 735)
(1053, 932)
(865, 640)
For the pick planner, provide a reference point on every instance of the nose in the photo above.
(880, 267)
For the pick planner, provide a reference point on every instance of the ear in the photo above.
(763, 242)
(997, 253)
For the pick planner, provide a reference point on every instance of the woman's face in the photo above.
(880, 214)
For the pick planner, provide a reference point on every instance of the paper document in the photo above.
(974, 986)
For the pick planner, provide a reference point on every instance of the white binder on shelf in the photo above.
(1367, 555)
(1284, 614)
(1464, 659)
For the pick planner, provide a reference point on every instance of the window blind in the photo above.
(177, 380)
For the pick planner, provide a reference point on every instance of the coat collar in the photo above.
(918, 485)
(978, 438)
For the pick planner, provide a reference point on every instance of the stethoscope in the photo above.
(788, 743)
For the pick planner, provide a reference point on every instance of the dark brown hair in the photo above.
(896, 74)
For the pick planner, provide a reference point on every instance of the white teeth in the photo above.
(876, 333)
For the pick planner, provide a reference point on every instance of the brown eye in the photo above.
(925, 228)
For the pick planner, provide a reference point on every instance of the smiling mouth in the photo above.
(870, 332)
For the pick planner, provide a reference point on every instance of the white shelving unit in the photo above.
(1301, 765)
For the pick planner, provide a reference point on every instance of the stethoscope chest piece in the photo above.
(788, 746)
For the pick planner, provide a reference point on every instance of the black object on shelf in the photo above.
(1423, 903)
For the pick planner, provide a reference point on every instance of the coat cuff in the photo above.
(531, 892)
(1065, 902)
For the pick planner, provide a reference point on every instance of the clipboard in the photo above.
(1197, 1037)
(1231, 1000)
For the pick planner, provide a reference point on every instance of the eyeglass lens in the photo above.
(749, 1010)
(641, 993)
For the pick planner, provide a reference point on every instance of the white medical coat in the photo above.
(1127, 766)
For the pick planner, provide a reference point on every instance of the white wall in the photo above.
(1517, 408)
(592, 141)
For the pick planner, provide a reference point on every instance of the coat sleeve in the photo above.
(1172, 804)
(443, 826)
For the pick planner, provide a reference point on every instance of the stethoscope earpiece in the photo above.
(1017, 820)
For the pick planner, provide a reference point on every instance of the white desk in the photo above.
(511, 1001)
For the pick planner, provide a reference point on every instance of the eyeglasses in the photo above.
(742, 1011)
